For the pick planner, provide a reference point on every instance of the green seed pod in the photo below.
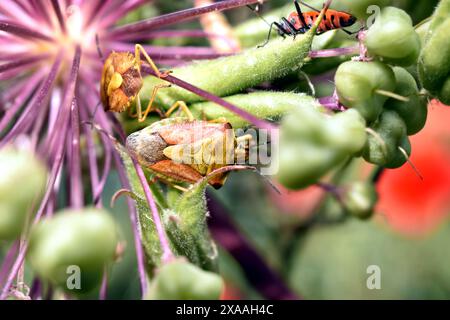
(360, 199)
(356, 83)
(399, 158)
(19, 169)
(181, 280)
(434, 61)
(312, 143)
(304, 123)
(444, 94)
(414, 112)
(74, 241)
(391, 130)
(303, 164)
(264, 105)
(439, 16)
(346, 131)
(392, 37)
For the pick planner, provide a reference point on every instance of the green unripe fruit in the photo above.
(434, 62)
(444, 94)
(393, 38)
(84, 239)
(304, 123)
(414, 112)
(302, 164)
(181, 280)
(399, 158)
(312, 143)
(356, 85)
(391, 130)
(346, 131)
(22, 184)
(360, 199)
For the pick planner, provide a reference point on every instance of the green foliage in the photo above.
(356, 85)
(330, 262)
(22, 184)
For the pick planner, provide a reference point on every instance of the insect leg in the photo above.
(184, 108)
(243, 144)
(138, 49)
(218, 120)
(268, 35)
(282, 29)
(291, 28)
(246, 137)
(143, 116)
(300, 14)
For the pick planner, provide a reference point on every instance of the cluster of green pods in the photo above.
(313, 142)
(383, 92)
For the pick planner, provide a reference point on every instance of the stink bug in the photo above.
(299, 22)
(183, 149)
(122, 80)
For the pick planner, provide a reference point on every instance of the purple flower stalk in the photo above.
(50, 71)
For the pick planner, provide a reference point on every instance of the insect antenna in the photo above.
(240, 168)
(256, 12)
(100, 130)
(101, 56)
(99, 50)
(306, 5)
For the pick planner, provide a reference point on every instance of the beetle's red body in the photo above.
(333, 19)
(299, 22)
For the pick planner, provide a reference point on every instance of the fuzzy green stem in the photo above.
(264, 105)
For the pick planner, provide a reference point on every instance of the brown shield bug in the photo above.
(183, 149)
(122, 80)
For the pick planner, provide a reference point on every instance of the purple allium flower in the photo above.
(49, 71)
